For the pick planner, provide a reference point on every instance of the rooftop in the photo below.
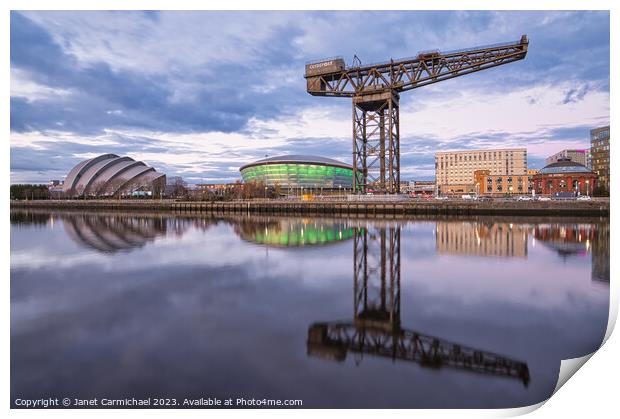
(564, 166)
(299, 158)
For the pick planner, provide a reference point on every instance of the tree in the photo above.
(26, 191)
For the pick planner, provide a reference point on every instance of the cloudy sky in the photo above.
(198, 94)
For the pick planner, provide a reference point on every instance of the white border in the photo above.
(592, 393)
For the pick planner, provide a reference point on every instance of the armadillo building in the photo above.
(300, 171)
(113, 175)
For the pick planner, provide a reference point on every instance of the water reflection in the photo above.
(482, 239)
(376, 328)
(289, 232)
(109, 234)
(30, 218)
(259, 305)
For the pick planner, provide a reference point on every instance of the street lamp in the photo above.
(265, 192)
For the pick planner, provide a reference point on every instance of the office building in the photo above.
(454, 170)
(599, 148)
(579, 156)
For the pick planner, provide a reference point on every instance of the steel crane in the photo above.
(375, 90)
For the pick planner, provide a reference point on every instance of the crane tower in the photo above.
(375, 90)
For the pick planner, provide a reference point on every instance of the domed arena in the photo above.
(112, 175)
(295, 172)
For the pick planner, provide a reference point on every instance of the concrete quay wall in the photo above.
(598, 208)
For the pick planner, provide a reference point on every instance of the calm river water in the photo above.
(453, 312)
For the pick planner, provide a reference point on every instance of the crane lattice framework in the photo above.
(376, 327)
(375, 90)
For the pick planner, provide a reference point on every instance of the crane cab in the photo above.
(318, 72)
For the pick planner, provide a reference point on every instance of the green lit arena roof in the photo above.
(300, 159)
(299, 171)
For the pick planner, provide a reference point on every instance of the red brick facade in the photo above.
(549, 184)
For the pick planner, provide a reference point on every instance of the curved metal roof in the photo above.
(299, 158)
(107, 174)
(564, 166)
(75, 173)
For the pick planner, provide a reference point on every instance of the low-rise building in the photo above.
(219, 188)
(422, 187)
(565, 176)
(487, 184)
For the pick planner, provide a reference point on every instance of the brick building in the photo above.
(565, 176)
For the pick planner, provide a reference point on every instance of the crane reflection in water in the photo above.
(376, 326)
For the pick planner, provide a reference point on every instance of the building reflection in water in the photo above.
(570, 240)
(111, 232)
(482, 239)
(291, 232)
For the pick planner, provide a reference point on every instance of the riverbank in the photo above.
(598, 208)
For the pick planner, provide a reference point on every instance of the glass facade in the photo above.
(299, 175)
(599, 141)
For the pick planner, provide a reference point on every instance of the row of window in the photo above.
(501, 180)
(500, 188)
(481, 156)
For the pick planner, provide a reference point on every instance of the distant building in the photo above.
(219, 188)
(579, 156)
(405, 186)
(565, 176)
(422, 187)
(488, 184)
(599, 147)
(454, 170)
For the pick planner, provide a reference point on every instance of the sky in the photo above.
(198, 94)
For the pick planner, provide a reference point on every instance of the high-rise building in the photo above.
(599, 148)
(454, 170)
(578, 156)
